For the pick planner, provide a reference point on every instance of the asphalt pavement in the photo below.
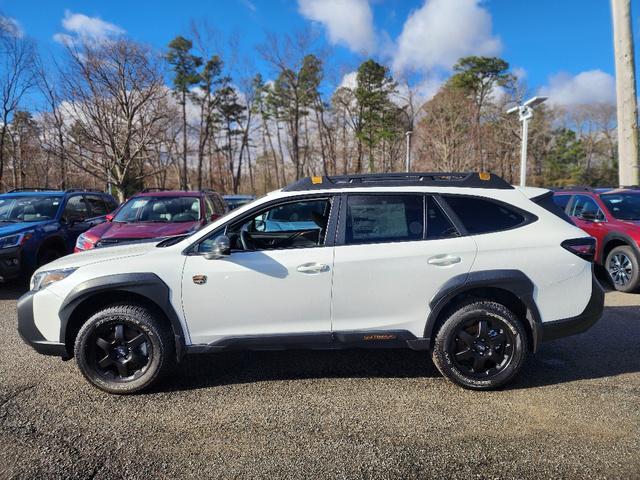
(573, 413)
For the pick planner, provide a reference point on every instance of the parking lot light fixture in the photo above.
(525, 114)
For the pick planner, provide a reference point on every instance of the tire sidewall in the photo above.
(142, 321)
(632, 286)
(446, 335)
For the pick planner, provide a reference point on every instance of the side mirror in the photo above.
(589, 216)
(109, 217)
(221, 248)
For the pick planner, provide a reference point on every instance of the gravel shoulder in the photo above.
(575, 412)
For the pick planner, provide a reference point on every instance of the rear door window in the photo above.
(384, 218)
(484, 216)
(562, 201)
(438, 224)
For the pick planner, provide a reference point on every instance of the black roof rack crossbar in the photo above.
(155, 189)
(89, 190)
(432, 179)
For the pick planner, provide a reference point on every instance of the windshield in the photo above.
(28, 209)
(623, 206)
(159, 209)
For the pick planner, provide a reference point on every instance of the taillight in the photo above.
(583, 247)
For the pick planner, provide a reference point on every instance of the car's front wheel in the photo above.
(481, 345)
(623, 268)
(123, 349)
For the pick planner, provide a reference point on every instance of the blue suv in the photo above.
(38, 226)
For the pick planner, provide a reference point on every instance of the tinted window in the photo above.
(585, 206)
(623, 206)
(562, 200)
(438, 224)
(76, 209)
(384, 218)
(483, 216)
(160, 209)
(97, 205)
(28, 209)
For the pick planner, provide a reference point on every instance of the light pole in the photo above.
(525, 114)
(408, 161)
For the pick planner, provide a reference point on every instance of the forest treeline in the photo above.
(118, 114)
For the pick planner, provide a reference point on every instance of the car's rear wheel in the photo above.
(481, 345)
(123, 349)
(623, 268)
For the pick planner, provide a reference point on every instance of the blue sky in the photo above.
(561, 47)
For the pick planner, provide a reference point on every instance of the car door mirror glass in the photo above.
(221, 247)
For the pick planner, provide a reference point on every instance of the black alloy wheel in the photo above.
(482, 347)
(120, 352)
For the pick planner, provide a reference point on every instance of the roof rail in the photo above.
(75, 190)
(155, 189)
(575, 188)
(434, 179)
(208, 190)
(30, 189)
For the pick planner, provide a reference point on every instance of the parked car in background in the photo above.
(37, 225)
(235, 201)
(612, 217)
(155, 214)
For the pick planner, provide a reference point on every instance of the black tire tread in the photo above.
(439, 351)
(634, 284)
(143, 317)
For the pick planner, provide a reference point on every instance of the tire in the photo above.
(48, 255)
(123, 349)
(481, 346)
(623, 268)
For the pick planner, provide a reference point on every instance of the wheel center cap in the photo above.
(481, 347)
(121, 351)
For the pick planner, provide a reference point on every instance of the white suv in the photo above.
(463, 266)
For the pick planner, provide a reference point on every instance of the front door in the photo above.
(277, 280)
(390, 262)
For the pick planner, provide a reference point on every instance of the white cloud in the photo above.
(348, 22)
(593, 86)
(441, 31)
(349, 80)
(11, 26)
(78, 25)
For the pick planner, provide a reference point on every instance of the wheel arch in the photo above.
(617, 239)
(92, 295)
(512, 288)
(56, 242)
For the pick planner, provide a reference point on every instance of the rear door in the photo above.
(394, 252)
(587, 215)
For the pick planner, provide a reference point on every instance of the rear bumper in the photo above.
(580, 323)
(30, 333)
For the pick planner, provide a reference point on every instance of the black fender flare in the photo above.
(52, 239)
(512, 281)
(147, 285)
(623, 237)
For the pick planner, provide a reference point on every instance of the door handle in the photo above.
(444, 260)
(313, 267)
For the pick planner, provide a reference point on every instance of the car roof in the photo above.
(238, 197)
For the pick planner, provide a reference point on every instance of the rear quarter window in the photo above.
(485, 216)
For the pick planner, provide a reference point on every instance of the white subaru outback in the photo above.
(463, 266)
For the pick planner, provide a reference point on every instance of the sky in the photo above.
(560, 48)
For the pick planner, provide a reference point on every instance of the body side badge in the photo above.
(199, 279)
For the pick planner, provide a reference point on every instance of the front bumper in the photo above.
(30, 333)
(10, 263)
(580, 323)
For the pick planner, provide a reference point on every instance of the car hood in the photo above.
(88, 257)
(140, 230)
(11, 228)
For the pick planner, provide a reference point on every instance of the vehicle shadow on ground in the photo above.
(610, 348)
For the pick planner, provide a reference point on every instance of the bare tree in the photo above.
(17, 57)
(114, 94)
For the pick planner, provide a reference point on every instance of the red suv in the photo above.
(155, 214)
(612, 217)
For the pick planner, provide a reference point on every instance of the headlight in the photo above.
(43, 279)
(85, 242)
(14, 240)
